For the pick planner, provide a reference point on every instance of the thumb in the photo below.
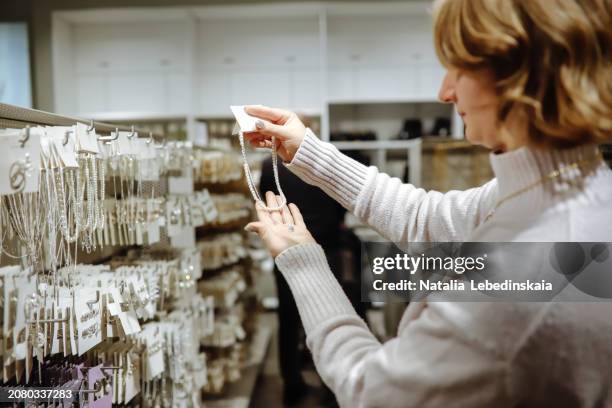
(271, 129)
(256, 226)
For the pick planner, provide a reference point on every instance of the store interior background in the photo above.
(363, 75)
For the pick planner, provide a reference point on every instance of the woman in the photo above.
(532, 82)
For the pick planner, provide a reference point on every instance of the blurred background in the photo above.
(363, 75)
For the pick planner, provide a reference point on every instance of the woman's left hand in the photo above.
(280, 229)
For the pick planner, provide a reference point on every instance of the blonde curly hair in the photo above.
(552, 59)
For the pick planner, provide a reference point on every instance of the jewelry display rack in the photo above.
(196, 317)
(12, 116)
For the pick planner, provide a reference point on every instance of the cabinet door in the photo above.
(305, 88)
(430, 78)
(214, 92)
(91, 93)
(341, 82)
(384, 83)
(176, 101)
(261, 86)
(136, 91)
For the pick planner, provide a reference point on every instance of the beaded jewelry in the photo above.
(247, 171)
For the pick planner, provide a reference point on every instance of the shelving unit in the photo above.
(381, 147)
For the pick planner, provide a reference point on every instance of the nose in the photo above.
(446, 94)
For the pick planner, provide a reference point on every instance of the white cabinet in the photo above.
(196, 61)
(267, 60)
(131, 66)
(214, 90)
(266, 86)
(382, 55)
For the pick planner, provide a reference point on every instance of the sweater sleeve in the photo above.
(399, 212)
(429, 364)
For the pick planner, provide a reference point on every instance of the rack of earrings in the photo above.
(140, 313)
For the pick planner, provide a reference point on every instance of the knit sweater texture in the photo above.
(460, 354)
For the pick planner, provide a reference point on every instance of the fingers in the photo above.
(272, 114)
(263, 215)
(261, 144)
(269, 129)
(276, 216)
(285, 214)
(256, 226)
(296, 214)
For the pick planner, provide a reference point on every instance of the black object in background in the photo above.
(322, 214)
(412, 129)
(442, 127)
(339, 136)
(606, 150)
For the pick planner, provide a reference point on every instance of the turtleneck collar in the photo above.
(520, 168)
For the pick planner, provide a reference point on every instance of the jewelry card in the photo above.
(64, 143)
(21, 150)
(88, 319)
(131, 376)
(155, 356)
(125, 145)
(86, 140)
(210, 210)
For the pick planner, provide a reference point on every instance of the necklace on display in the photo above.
(247, 171)
(27, 219)
(549, 177)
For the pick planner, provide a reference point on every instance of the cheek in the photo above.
(476, 91)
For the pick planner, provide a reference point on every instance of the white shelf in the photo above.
(378, 144)
(377, 101)
(308, 112)
(134, 117)
(380, 148)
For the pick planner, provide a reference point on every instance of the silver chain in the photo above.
(247, 171)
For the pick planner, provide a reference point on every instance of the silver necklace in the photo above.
(247, 171)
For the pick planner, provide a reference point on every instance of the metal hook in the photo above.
(25, 137)
(91, 126)
(131, 135)
(162, 144)
(90, 303)
(113, 136)
(97, 388)
(66, 135)
(101, 368)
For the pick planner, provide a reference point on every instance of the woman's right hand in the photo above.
(284, 125)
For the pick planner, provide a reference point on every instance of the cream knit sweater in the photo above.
(459, 354)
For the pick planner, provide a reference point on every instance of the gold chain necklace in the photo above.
(549, 177)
